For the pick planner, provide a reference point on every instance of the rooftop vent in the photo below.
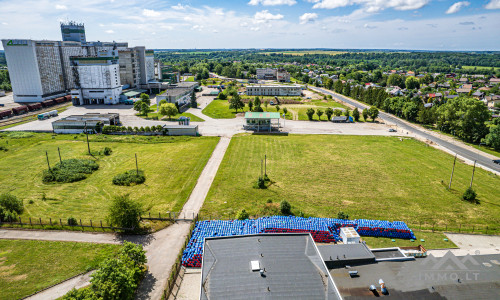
(255, 265)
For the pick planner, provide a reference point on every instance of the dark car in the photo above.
(497, 161)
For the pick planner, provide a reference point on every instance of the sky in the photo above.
(209, 24)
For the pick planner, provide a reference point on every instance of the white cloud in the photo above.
(150, 13)
(265, 16)
(308, 17)
(5, 23)
(61, 7)
(369, 26)
(272, 2)
(457, 6)
(371, 6)
(110, 31)
(255, 28)
(493, 4)
(244, 24)
(179, 7)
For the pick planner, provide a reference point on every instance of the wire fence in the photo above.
(59, 224)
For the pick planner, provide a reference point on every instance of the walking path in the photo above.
(161, 247)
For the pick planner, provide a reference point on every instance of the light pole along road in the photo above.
(461, 151)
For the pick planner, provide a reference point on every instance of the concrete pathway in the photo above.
(161, 247)
(474, 244)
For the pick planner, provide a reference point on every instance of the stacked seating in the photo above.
(323, 230)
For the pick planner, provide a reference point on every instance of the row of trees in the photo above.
(113, 128)
(5, 80)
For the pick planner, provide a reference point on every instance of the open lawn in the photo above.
(303, 52)
(432, 240)
(172, 166)
(29, 266)
(152, 113)
(372, 177)
(219, 109)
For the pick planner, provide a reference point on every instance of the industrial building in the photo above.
(42, 70)
(265, 266)
(97, 79)
(273, 90)
(91, 123)
(262, 121)
(179, 93)
(280, 75)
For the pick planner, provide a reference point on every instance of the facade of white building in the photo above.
(274, 90)
(97, 79)
(266, 73)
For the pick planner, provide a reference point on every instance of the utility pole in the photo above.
(136, 165)
(473, 170)
(265, 164)
(59, 151)
(452, 171)
(261, 163)
(47, 155)
(87, 132)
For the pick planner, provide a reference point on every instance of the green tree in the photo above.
(347, 112)
(145, 98)
(144, 109)
(329, 113)
(337, 112)
(338, 86)
(257, 102)
(365, 114)
(412, 83)
(242, 215)
(426, 115)
(277, 108)
(162, 101)
(285, 208)
(250, 104)
(236, 103)
(396, 80)
(285, 110)
(266, 103)
(134, 253)
(194, 104)
(469, 195)
(410, 111)
(319, 113)
(124, 212)
(168, 109)
(342, 215)
(355, 114)
(492, 139)
(138, 105)
(11, 203)
(222, 96)
(310, 113)
(373, 113)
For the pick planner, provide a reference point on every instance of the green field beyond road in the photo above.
(29, 266)
(171, 165)
(370, 177)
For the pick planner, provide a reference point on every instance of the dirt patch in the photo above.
(324, 101)
(347, 202)
(306, 100)
(5, 269)
(18, 277)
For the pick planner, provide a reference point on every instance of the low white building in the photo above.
(266, 73)
(349, 235)
(274, 90)
(97, 79)
(91, 123)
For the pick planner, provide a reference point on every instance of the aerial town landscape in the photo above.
(257, 149)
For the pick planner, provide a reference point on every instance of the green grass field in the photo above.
(152, 113)
(432, 240)
(29, 266)
(219, 109)
(172, 166)
(369, 177)
(303, 52)
(479, 68)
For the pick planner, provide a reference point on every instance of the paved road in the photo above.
(456, 147)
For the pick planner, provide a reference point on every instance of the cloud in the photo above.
(308, 17)
(243, 24)
(432, 25)
(371, 6)
(255, 28)
(61, 7)
(265, 16)
(5, 23)
(457, 6)
(466, 23)
(179, 7)
(150, 13)
(403, 28)
(369, 27)
(109, 31)
(272, 2)
(494, 4)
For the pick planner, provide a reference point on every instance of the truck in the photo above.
(47, 115)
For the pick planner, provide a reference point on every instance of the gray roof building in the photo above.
(265, 266)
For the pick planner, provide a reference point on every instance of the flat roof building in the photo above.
(72, 31)
(265, 266)
(262, 121)
(274, 90)
(91, 123)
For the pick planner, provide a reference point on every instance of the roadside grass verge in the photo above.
(371, 177)
(29, 266)
(432, 240)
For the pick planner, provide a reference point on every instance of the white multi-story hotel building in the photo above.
(274, 90)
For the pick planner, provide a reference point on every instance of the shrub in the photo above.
(222, 96)
(310, 113)
(469, 195)
(129, 178)
(147, 129)
(31, 202)
(72, 221)
(285, 208)
(242, 215)
(70, 170)
(11, 204)
(3, 148)
(107, 151)
(125, 212)
(342, 215)
(260, 184)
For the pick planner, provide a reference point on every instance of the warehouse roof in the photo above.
(175, 92)
(133, 93)
(291, 263)
(262, 115)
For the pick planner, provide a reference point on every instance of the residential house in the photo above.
(478, 95)
(492, 100)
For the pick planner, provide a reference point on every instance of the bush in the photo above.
(72, 221)
(342, 215)
(129, 178)
(222, 96)
(11, 204)
(70, 170)
(107, 151)
(3, 148)
(242, 215)
(285, 208)
(260, 184)
(469, 195)
(125, 212)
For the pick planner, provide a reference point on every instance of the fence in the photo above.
(55, 224)
(177, 267)
(169, 216)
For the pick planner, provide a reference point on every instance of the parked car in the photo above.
(271, 103)
(497, 161)
(392, 130)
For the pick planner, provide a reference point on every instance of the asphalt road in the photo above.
(481, 159)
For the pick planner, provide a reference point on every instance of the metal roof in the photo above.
(262, 115)
(133, 93)
(293, 268)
